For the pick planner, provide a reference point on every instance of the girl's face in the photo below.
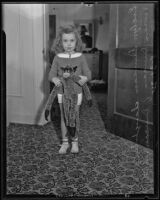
(69, 42)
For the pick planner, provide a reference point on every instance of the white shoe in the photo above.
(64, 147)
(75, 148)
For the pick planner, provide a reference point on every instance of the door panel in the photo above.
(125, 98)
(134, 130)
(135, 57)
(135, 22)
(130, 85)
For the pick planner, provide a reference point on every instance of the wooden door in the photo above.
(130, 85)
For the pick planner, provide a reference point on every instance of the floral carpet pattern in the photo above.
(105, 165)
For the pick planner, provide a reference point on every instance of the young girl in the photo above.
(68, 49)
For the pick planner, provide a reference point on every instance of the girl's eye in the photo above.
(72, 40)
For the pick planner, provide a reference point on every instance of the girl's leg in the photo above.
(75, 148)
(65, 144)
(63, 126)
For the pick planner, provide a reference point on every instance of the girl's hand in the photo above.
(56, 81)
(83, 80)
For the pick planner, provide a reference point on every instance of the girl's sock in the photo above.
(64, 147)
(75, 148)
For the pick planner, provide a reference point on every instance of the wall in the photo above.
(66, 13)
(26, 86)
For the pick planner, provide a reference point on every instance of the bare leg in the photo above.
(65, 144)
(63, 126)
(75, 148)
(76, 133)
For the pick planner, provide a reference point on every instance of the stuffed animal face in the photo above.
(68, 71)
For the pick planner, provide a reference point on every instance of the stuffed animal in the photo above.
(69, 98)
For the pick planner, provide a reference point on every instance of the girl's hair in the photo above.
(57, 46)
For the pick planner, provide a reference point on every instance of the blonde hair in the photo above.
(57, 46)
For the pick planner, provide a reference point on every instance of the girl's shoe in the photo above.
(64, 147)
(75, 148)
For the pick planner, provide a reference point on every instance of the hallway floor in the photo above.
(105, 165)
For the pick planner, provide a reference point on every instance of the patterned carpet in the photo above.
(105, 165)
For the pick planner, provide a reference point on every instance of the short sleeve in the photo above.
(85, 69)
(54, 69)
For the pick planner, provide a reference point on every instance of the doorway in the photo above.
(96, 19)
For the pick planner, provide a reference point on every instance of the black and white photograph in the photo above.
(80, 100)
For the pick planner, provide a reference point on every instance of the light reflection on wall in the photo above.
(31, 11)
